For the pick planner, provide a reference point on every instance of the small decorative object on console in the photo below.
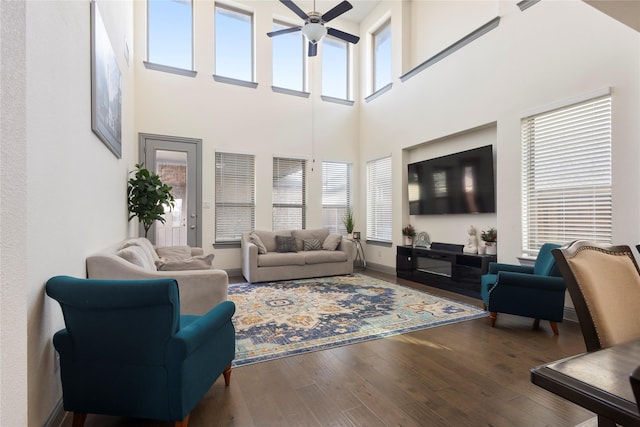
(423, 240)
(356, 235)
(490, 237)
(409, 233)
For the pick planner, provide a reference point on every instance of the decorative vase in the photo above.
(350, 236)
(492, 248)
(408, 241)
(481, 249)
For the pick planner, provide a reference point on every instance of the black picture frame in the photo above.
(356, 235)
(106, 87)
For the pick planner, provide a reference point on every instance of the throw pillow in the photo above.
(331, 242)
(256, 240)
(137, 256)
(174, 253)
(286, 244)
(201, 262)
(312, 244)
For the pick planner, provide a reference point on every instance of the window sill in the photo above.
(290, 91)
(237, 82)
(336, 100)
(169, 69)
(384, 243)
(379, 92)
(226, 245)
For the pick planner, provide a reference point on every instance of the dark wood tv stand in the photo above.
(444, 266)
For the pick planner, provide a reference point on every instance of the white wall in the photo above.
(239, 119)
(550, 52)
(75, 187)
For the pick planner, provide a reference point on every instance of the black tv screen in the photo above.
(454, 184)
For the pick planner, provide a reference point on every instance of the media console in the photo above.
(444, 266)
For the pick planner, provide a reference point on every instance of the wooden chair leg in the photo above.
(227, 375)
(484, 306)
(78, 419)
(183, 423)
(554, 327)
(493, 316)
(536, 324)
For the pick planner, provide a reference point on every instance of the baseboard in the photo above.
(570, 314)
(57, 416)
(381, 268)
(234, 272)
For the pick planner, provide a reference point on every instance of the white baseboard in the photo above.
(56, 417)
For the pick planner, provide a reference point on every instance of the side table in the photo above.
(359, 262)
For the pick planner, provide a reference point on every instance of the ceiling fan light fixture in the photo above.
(314, 32)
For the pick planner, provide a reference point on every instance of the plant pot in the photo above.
(491, 248)
(408, 241)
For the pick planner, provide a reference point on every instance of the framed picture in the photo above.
(106, 92)
(356, 235)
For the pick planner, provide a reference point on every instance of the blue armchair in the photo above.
(127, 351)
(532, 291)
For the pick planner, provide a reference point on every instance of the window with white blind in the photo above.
(235, 196)
(289, 187)
(336, 195)
(379, 200)
(566, 175)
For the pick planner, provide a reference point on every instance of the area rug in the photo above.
(279, 319)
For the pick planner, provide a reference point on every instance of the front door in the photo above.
(177, 162)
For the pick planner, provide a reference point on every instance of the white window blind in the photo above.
(336, 195)
(289, 186)
(566, 175)
(379, 200)
(235, 196)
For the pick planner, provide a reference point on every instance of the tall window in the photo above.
(382, 56)
(288, 59)
(235, 196)
(566, 175)
(379, 200)
(335, 68)
(289, 187)
(169, 33)
(234, 43)
(336, 195)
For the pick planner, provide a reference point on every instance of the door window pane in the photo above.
(171, 167)
(234, 43)
(170, 40)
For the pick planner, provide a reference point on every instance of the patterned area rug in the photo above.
(280, 319)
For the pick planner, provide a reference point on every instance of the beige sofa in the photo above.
(201, 287)
(263, 261)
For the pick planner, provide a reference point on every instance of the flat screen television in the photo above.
(454, 184)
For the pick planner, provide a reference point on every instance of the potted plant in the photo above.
(490, 239)
(148, 197)
(409, 233)
(348, 222)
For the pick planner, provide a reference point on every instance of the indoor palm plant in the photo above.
(348, 222)
(148, 197)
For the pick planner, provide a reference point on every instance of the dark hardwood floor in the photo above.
(464, 374)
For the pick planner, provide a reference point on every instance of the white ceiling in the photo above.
(361, 8)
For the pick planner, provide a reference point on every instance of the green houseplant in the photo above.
(348, 221)
(148, 196)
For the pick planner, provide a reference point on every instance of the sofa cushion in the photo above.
(286, 244)
(273, 259)
(137, 255)
(312, 244)
(269, 238)
(301, 235)
(331, 242)
(255, 239)
(174, 253)
(145, 244)
(319, 257)
(200, 262)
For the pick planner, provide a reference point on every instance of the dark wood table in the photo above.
(597, 381)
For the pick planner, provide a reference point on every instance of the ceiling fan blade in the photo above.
(285, 31)
(291, 5)
(336, 11)
(343, 36)
(313, 49)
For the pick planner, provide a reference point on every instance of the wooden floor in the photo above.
(464, 374)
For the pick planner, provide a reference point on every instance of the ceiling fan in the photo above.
(313, 28)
